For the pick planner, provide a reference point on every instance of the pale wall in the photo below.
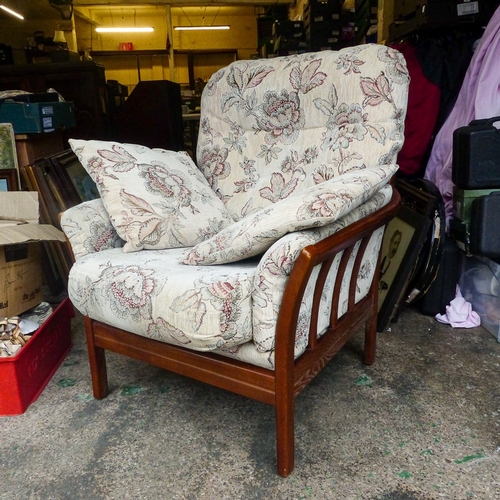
(15, 33)
(242, 37)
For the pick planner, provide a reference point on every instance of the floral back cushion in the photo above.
(155, 198)
(272, 128)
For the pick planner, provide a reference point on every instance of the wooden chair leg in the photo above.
(285, 433)
(370, 341)
(371, 335)
(97, 361)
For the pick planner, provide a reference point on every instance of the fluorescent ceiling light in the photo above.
(125, 30)
(10, 11)
(195, 28)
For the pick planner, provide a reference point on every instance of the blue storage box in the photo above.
(36, 117)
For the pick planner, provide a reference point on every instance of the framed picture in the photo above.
(71, 182)
(81, 180)
(8, 154)
(423, 196)
(8, 179)
(403, 240)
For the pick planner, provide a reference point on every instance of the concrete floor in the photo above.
(422, 423)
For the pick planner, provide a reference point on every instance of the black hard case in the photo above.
(443, 289)
(485, 226)
(476, 155)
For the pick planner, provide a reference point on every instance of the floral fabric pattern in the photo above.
(153, 295)
(154, 198)
(274, 128)
(317, 206)
(88, 229)
(277, 263)
(290, 151)
(229, 308)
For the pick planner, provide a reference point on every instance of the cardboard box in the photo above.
(20, 265)
(24, 376)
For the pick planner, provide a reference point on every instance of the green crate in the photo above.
(462, 201)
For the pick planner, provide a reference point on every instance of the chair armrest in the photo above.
(88, 229)
(349, 247)
(277, 263)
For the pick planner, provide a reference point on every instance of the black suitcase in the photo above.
(485, 226)
(443, 289)
(476, 155)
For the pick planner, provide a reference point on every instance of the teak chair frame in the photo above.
(290, 377)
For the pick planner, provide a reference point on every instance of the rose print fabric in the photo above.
(290, 151)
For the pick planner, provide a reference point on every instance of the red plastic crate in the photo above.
(24, 376)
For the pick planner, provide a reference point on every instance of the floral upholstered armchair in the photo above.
(250, 270)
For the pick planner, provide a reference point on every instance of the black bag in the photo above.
(476, 155)
(443, 289)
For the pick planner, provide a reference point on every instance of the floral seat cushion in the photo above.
(152, 294)
(228, 308)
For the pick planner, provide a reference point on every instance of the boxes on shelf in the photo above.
(24, 376)
(355, 12)
(20, 265)
(289, 29)
(317, 11)
(480, 285)
(355, 22)
(284, 46)
(35, 113)
(435, 14)
(323, 34)
(323, 29)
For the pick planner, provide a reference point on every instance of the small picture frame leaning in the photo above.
(8, 154)
(9, 179)
(403, 240)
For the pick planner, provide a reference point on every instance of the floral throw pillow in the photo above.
(155, 198)
(317, 206)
